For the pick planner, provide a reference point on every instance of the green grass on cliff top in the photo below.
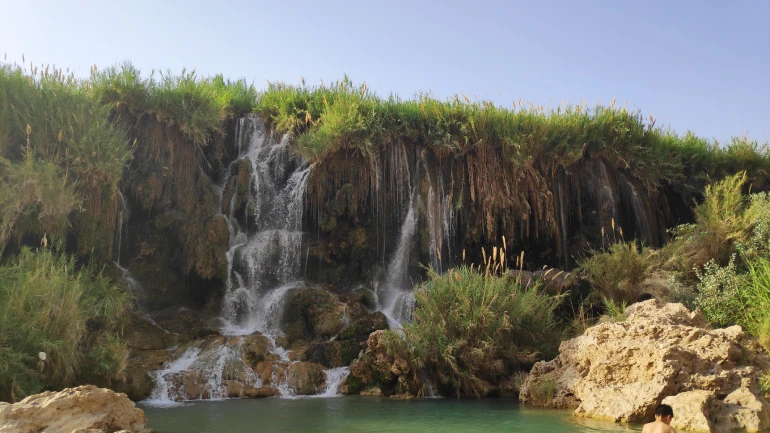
(343, 115)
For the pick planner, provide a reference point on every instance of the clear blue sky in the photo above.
(695, 65)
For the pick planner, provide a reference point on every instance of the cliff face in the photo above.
(174, 233)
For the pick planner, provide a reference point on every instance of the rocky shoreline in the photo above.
(616, 371)
(661, 353)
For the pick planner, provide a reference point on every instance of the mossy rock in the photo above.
(332, 354)
(360, 328)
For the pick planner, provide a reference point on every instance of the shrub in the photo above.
(472, 329)
(616, 274)
(72, 316)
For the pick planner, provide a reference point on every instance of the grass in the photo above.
(472, 328)
(616, 274)
(71, 316)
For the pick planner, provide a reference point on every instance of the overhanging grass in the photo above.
(344, 115)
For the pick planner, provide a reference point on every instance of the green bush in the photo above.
(72, 316)
(472, 329)
(616, 274)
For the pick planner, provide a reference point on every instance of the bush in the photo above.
(472, 329)
(616, 274)
(69, 317)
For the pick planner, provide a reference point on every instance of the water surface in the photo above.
(361, 414)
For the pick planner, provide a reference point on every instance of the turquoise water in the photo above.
(360, 414)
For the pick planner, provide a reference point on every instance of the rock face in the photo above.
(621, 371)
(84, 407)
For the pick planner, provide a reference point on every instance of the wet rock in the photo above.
(333, 353)
(312, 313)
(143, 334)
(306, 378)
(271, 373)
(209, 258)
(140, 380)
(371, 392)
(360, 328)
(137, 384)
(620, 371)
(85, 407)
(382, 368)
(256, 348)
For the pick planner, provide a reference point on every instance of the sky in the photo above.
(702, 66)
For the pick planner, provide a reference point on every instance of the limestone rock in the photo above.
(306, 378)
(391, 373)
(85, 408)
(620, 371)
(333, 353)
(360, 328)
(692, 410)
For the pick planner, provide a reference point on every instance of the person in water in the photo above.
(663, 416)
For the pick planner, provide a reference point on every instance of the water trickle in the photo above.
(121, 222)
(607, 195)
(395, 296)
(334, 377)
(639, 214)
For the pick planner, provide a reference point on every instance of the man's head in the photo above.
(664, 413)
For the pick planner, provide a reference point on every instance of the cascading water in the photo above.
(396, 296)
(263, 265)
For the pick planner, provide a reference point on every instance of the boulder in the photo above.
(311, 313)
(620, 371)
(360, 328)
(381, 368)
(306, 378)
(238, 390)
(85, 407)
(333, 354)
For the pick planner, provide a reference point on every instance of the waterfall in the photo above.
(266, 264)
(121, 221)
(396, 296)
(608, 204)
(639, 214)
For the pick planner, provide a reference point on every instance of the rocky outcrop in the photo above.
(306, 378)
(620, 371)
(348, 344)
(382, 372)
(85, 407)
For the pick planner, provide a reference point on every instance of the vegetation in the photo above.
(58, 325)
(719, 264)
(474, 328)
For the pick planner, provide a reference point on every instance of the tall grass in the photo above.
(616, 274)
(58, 325)
(61, 155)
(326, 118)
(473, 329)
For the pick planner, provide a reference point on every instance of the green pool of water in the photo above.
(361, 414)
